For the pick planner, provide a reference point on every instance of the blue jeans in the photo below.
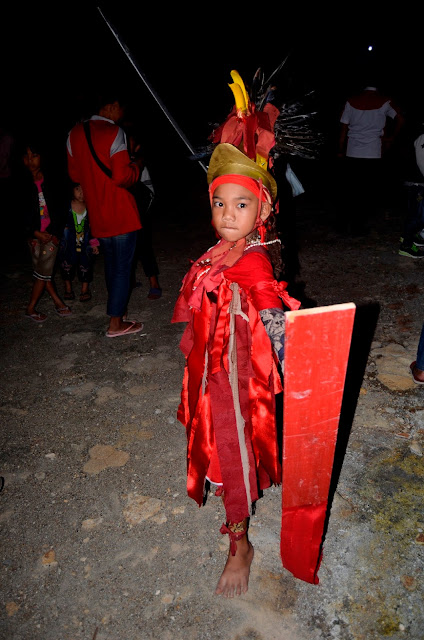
(415, 214)
(118, 254)
(420, 352)
(73, 262)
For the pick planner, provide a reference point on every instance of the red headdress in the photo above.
(244, 140)
(247, 128)
(241, 155)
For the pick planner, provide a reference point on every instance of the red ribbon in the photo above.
(281, 289)
(234, 537)
(254, 186)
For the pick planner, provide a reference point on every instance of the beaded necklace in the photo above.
(261, 244)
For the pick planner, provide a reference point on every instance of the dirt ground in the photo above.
(99, 540)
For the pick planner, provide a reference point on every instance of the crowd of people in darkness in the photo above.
(94, 196)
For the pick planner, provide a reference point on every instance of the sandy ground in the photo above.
(99, 540)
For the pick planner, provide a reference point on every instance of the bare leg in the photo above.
(58, 302)
(155, 291)
(68, 286)
(234, 579)
(154, 282)
(37, 290)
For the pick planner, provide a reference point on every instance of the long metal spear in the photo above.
(150, 88)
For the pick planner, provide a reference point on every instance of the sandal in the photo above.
(63, 311)
(69, 295)
(85, 296)
(133, 327)
(412, 368)
(36, 316)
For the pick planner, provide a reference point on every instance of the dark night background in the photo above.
(56, 57)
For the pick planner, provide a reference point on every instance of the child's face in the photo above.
(234, 211)
(78, 193)
(32, 160)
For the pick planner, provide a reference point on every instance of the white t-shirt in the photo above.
(366, 127)
(419, 152)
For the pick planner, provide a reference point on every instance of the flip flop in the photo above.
(69, 295)
(412, 367)
(154, 293)
(63, 311)
(132, 328)
(85, 297)
(36, 316)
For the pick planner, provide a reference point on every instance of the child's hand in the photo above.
(95, 251)
(43, 236)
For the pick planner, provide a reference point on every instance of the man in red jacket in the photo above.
(98, 159)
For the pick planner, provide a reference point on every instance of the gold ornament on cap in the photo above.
(227, 159)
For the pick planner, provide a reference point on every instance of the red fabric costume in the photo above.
(231, 377)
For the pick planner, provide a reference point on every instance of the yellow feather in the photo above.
(238, 97)
(237, 79)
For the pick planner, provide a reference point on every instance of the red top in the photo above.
(111, 207)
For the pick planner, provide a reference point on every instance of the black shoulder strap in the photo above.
(102, 166)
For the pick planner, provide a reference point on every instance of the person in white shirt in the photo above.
(362, 143)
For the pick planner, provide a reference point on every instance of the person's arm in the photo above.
(345, 119)
(254, 274)
(27, 206)
(94, 246)
(342, 140)
(124, 172)
(72, 165)
(274, 322)
(398, 124)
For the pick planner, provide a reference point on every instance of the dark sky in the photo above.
(54, 58)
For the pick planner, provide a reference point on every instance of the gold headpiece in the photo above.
(227, 159)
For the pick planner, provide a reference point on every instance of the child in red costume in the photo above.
(233, 345)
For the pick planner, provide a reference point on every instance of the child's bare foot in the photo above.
(234, 579)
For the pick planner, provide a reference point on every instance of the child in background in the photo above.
(233, 345)
(77, 247)
(43, 211)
